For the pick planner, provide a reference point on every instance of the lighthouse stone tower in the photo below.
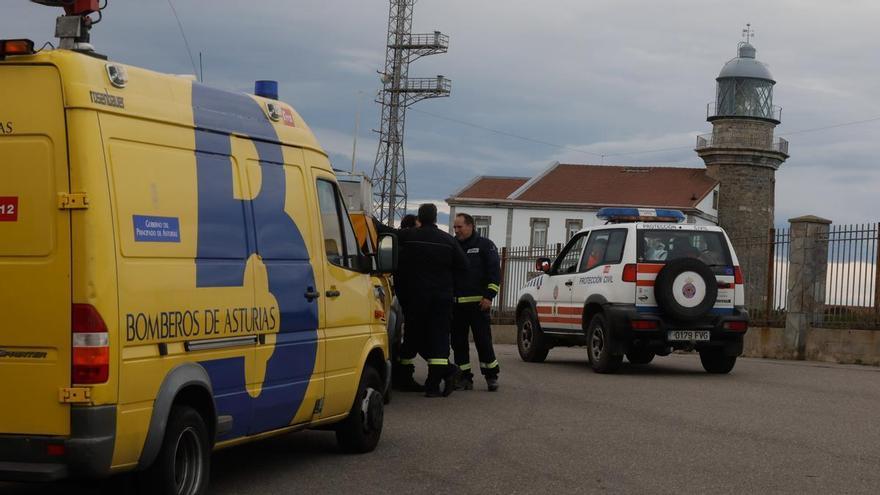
(742, 154)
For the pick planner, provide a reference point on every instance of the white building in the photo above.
(550, 207)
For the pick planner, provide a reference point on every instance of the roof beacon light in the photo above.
(622, 215)
(16, 47)
(266, 89)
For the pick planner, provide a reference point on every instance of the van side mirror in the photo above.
(543, 265)
(386, 253)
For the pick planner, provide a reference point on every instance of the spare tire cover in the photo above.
(686, 289)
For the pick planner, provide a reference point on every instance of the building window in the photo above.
(572, 227)
(715, 200)
(539, 228)
(481, 225)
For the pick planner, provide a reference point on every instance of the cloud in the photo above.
(358, 61)
(605, 76)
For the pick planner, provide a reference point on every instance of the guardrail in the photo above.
(708, 141)
(437, 84)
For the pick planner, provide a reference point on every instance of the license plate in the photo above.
(688, 335)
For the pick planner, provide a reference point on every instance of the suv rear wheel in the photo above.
(716, 361)
(530, 340)
(599, 348)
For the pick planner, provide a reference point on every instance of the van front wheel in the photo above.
(184, 461)
(359, 433)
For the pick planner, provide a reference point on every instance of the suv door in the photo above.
(600, 270)
(554, 303)
(346, 295)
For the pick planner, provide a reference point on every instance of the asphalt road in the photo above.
(556, 427)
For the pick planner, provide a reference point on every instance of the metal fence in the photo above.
(517, 268)
(851, 297)
(764, 261)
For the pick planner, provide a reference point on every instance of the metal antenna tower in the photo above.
(398, 92)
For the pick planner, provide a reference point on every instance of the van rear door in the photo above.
(35, 300)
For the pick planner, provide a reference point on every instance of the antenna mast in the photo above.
(73, 28)
(398, 92)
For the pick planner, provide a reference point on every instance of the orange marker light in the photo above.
(16, 47)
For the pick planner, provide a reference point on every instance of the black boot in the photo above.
(492, 383)
(402, 379)
(465, 381)
(441, 374)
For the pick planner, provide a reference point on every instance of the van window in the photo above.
(340, 243)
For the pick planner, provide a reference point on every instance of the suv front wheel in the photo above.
(599, 346)
(530, 340)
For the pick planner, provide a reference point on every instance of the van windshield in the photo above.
(660, 246)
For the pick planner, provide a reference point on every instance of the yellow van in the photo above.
(177, 274)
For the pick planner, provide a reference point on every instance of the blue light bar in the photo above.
(621, 215)
(266, 89)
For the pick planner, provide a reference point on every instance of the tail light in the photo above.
(643, 324)
(736, 326)
(91, 346)
(629, 273)
(55, 449)
(737, 275)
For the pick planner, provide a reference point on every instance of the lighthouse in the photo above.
(743, 155)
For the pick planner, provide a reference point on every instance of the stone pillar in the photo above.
(807, 269)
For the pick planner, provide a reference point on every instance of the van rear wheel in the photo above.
(359, 433)
(184, 461)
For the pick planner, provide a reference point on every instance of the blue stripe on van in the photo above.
(230, 230)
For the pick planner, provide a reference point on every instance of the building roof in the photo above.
(600, 185)
(487, 187)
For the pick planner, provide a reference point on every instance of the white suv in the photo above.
(641, 285)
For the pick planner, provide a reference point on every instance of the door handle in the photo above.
(569, 283)
(332, 293)
(311, 294)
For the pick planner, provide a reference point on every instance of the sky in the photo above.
(607, 81)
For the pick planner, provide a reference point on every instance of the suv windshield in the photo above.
(660, 246)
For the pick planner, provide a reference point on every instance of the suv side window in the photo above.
(614, 253)
(340, 242)
(567, 261)
(605, 247)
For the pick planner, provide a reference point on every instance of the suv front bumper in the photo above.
(624, 336)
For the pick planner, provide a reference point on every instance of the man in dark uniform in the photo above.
(430, 261)
(473, 299)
